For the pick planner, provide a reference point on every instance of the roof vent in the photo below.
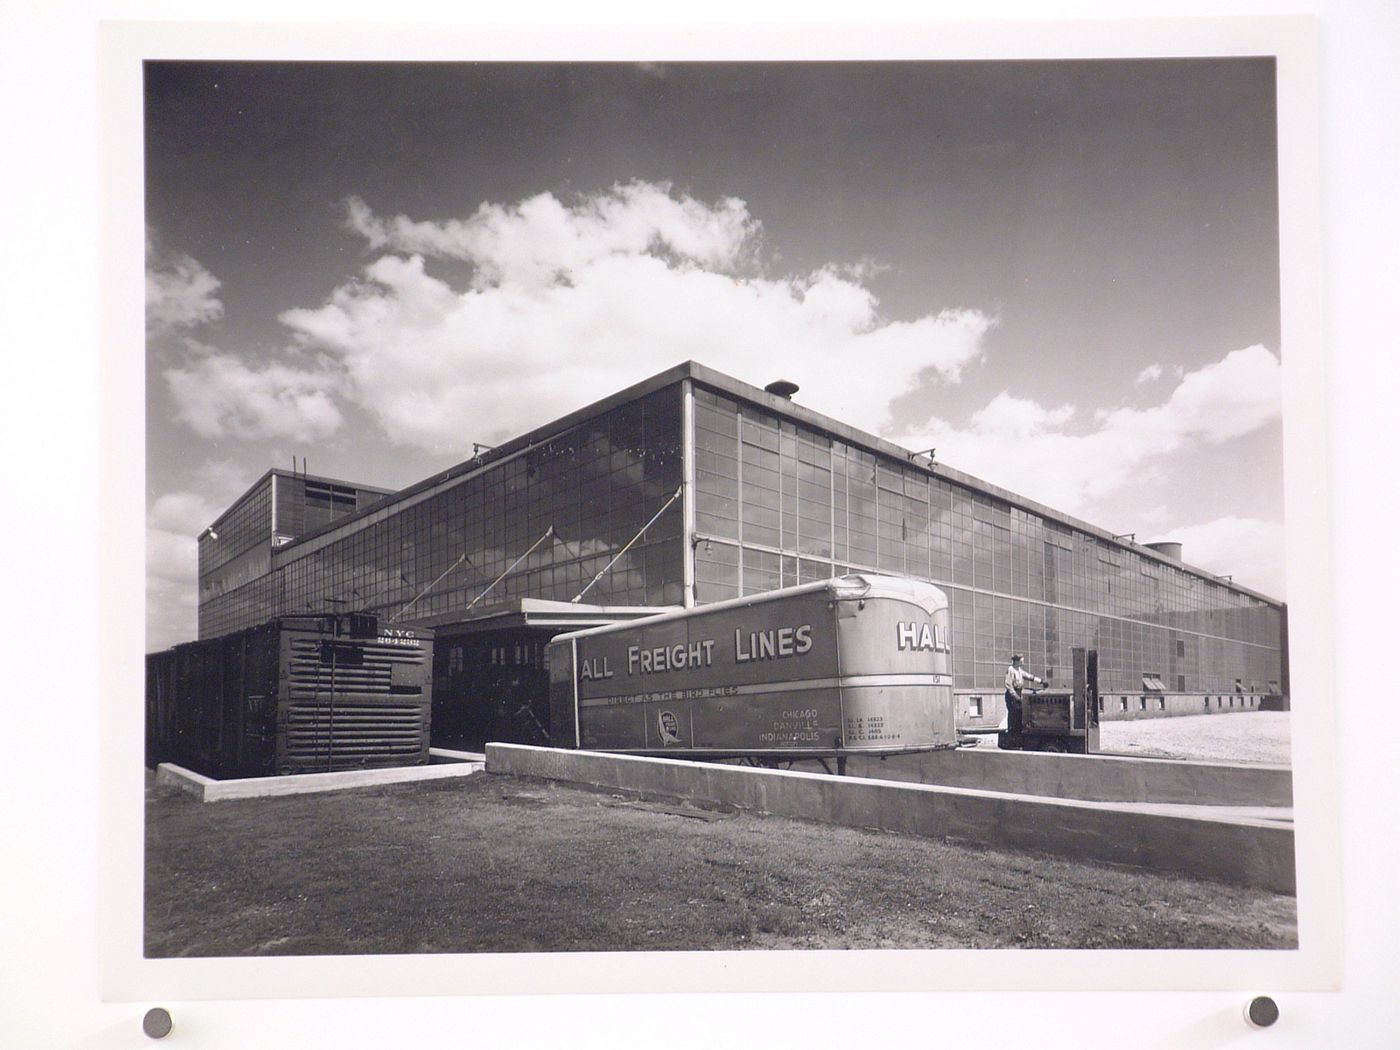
(782, 387)
(1167, 549)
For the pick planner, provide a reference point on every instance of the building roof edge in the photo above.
(738, 388)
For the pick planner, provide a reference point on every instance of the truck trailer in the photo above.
(852, 665)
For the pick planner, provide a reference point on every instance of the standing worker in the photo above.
(1016, 679)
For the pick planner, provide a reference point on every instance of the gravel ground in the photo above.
(487, 863)
(1255, 736)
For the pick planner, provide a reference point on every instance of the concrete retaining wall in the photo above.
(1244, 851)
(1094, 778)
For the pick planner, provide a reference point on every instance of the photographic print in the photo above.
(675, 506)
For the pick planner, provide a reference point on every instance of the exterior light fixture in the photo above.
(209, 533)
(478, 448)
(929, 452)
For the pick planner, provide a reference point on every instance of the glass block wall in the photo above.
(597, 484)
(243, 527)
(235, 556)
(779, 503)
(235, 553)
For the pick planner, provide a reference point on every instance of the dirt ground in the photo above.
(1248, 737)
(485, 863)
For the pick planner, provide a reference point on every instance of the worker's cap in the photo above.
(1015, 657)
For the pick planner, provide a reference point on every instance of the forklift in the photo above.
(1065, 721)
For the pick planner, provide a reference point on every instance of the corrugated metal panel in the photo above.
(370, 668)
(347, 735)
(287, 697)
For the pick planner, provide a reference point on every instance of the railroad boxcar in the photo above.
(852, 665)
(299, 694)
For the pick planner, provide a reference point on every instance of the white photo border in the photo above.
(127, 976)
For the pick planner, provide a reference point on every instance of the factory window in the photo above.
(1180, 648)
(1100, 703)
(1142, 703)
(1122, 703)
(1181, 683)
(974, 707)
(1232, 701)
(1220, 701)
(328, 495)
(1161, 703)
(1207, 703)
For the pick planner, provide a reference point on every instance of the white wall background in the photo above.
(52, 529)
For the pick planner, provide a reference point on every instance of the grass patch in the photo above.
(493, 864)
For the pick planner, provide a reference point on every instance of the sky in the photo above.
(1062, 275)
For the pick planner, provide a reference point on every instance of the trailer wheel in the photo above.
(1055, 746)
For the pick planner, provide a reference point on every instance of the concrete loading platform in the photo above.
(1249, 842)
(1090, 778)
(444, 764)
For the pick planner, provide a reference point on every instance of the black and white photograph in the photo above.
(674, 516)
(728, 505)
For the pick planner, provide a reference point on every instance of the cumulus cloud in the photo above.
(542, 241)
(1033, 450)
(179, 293)
(1150, 374)
(172, 609)
(573, 301)
(1019, 418)
(170, 556)
(1249, 550)
(219, 395)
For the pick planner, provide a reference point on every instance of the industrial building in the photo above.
(693, 487)
(235, 552)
